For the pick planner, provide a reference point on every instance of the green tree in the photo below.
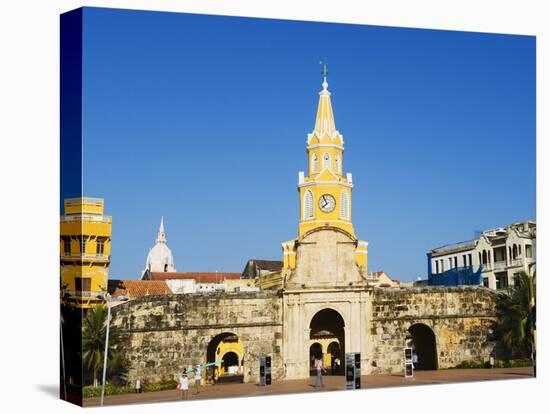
(94, 329)
(514, 318)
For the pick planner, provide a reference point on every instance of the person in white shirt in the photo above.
(183, 385)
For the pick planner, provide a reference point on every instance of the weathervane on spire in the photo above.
(324, 72)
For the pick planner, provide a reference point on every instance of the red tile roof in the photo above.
(200, 277)
(138, 288)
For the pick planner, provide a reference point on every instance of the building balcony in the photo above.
(488, 267)
(500, 266)
(86, 257)
(84, 294)
(516, 262)
(85, 218)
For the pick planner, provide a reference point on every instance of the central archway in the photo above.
(424, 345)
(327, 330)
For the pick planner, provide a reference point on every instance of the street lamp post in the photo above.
(108, 301)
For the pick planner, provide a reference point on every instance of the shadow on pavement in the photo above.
(49, 389)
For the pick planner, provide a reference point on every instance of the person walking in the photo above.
(183, 385)
(492, 360)
(198, 378)
(337, 365)
(319, 368)
(138, 386)
(415, 360)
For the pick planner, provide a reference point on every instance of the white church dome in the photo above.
(160, 257)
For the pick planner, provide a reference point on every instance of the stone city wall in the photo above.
(165, 334)
(460, 318)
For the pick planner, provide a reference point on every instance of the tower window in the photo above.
(337, 164)
(100, 248)
(83, 284)
(82, 246)
(67, 246)
(326, 161)
(344, 205)
(308, 205)
(314, 163)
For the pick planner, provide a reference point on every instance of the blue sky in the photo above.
(203, 120)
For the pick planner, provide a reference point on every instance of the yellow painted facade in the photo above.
(85, 247)
(226, 347)
(325, 192)
(270, 281)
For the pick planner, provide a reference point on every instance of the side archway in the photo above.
(424, 345)
(227, 347)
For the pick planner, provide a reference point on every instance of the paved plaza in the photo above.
(332, 383)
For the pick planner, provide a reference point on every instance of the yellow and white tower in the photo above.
(325, 192)
(85, 251)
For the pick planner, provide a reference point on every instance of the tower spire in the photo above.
(161, 237)
(324, 122)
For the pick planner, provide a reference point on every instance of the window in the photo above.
(100, 247)
(308, 205)
(442, 265)
(456, 262)
(450, 262)
(528, 251)
(82, 246)
(326, 161)
(314, 163)
(67, 246)
(486, 282)
(83, 284)
(337, 164)
(436, 266)
(501, 281)
(470, 259)
(344, 205)
(516, 279)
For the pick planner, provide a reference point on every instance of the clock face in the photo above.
(327, 203)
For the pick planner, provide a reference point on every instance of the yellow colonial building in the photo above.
(325, 192)
(85, 246)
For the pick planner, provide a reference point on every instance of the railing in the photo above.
(86, 256)
(516, 262)
(84, 200)
(84, 294)
(500, 265)
(486, 267)
(83, 217)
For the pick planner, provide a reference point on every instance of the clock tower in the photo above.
(325, 191)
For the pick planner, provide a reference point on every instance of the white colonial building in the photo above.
(500, 254)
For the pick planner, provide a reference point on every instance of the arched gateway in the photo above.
(327, 327)
(424, 345)
(226, 347)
